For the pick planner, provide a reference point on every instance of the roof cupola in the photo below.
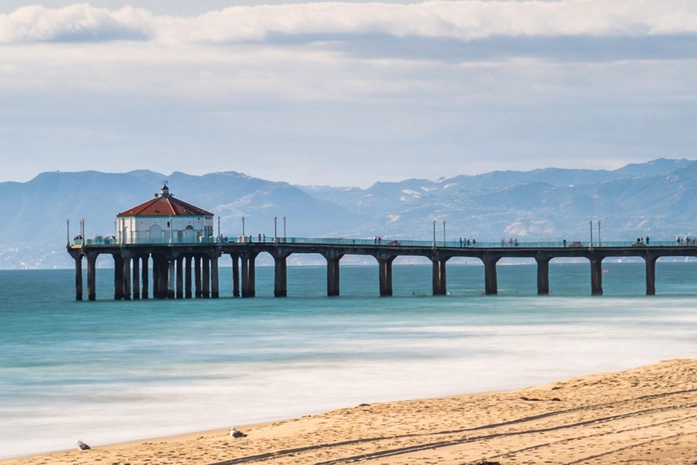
(164, 192)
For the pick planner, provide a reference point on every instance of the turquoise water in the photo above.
(107, 371)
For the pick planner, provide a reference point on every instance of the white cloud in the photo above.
(75, 23)
(464, 20)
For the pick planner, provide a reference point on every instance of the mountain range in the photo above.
(657, 198)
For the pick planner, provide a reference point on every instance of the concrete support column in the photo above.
(385, 271)
(156, 277)
(163, 277)
(491, 285)
(439, 277)
(215, 283)
(92, 277)
(333, 276)
(280, 283)
(171, 278)
(597, 276)
(235, 276)
(443, 279)
(206, 280)
(78, 277)
(126, 278)
(245, 276)
(187, 277)
(197, 277)
(145, 280)
(118, 277)
(542, 275)
(435, 278)
(650, 275)
(136, 278)
(180, 277)
(248, 275)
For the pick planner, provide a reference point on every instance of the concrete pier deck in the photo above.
(187, 270)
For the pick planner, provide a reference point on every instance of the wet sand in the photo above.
(646, 415)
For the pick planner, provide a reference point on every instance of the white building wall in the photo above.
(139, 229)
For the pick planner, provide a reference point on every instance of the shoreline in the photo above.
(645, 415)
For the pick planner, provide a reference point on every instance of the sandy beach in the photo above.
(646, 415)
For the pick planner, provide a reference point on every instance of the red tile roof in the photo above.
(165, 206)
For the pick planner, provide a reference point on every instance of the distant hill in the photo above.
(658, 198)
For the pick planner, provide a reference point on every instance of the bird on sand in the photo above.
(83, 446)
(236, 434)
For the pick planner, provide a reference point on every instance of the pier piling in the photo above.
(136, 277)
(596, 275)
(490, 278)
(385, 271)
(118, 277)
(78, 277)
(144, 274)
(91, 276)
(439, 277)
(248, 275)
(542, 275)
(215, 291)
(280, 282)
(235, 275)
(126, 278)
(650, 274)
(333, 274)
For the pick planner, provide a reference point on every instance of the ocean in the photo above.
(113, 371)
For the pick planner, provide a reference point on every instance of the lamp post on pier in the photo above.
(68, 232)
(275, 228)
(243, 227)
(434, 233)
(218, 225)
(444, 241)
(591, 223)
(599, 241)
(82, 231)
(284, 228)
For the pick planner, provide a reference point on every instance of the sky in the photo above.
(344, 93)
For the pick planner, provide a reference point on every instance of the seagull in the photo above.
(236, 434)
(83, 446)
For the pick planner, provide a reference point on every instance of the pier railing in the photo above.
(376, 242)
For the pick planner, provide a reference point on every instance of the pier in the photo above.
(183, 268)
